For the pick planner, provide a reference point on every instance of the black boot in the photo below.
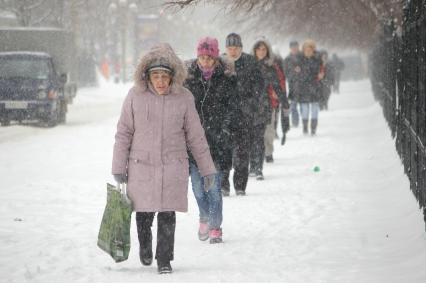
(305, 127)
(269, 159)
(225, 184)
(314, 125)
(164, 267)
(283, 140)
(144, 223)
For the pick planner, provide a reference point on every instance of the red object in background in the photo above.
(274, 100)
(322, 71)
(105, 69)
(281, 77)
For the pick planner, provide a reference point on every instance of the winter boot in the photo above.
(215, 236)
(240, 193)
(164, 267)
(259, 176)
(225, 193)
(252, 173)
(145, 242)
(314, 125)
(203, 231)
(269, 159)
(305, 127)
(284, 139)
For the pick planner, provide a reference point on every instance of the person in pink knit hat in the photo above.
(211, 81)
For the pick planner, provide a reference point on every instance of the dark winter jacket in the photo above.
(307, 86)
(279, 69)
(271, 79)
(328, 80)
(215, 106)
(249, 93)
(289, 66)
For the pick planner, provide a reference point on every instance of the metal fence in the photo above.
(398, 76)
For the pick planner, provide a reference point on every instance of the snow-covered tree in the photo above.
(337, 22)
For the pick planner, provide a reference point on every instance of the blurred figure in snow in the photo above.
(339, 66)
(327, 71)
(307, 90)
(292, 73)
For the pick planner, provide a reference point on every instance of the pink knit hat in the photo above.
(208, 46)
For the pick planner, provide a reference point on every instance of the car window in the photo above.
(24, 68)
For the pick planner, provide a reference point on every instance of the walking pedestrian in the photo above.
(327, 71)
(339, 66)
(292, 74)
(249, 95)
(308, 91)
(158, 123)
(274, 94)
(284, 108)
(212, 82)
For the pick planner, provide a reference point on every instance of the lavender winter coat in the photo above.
(153, 134)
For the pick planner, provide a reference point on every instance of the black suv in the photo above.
(31, 89)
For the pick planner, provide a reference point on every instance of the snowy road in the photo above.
(354, 221)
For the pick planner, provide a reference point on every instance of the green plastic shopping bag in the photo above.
(114, 233)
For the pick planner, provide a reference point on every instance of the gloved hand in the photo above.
(209, 182)
(120, 178)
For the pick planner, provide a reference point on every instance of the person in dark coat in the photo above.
(212, 82)
(327, 71)
(339, 66)
(284, 107)
(292, 72)
(307, 89)
(276, 94)
(249, 95)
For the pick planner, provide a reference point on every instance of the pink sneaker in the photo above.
(215, 236)
(203, 231)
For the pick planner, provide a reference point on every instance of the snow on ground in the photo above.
(354, 221)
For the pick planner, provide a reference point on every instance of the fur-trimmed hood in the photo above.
(270, 60)
(166, 52)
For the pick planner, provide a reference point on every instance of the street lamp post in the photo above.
(123, 8)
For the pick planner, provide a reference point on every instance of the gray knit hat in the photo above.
(160, 64)
(234, 39)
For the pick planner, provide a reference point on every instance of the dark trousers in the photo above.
(285, 122)
(241, 159)
(257, 147)
(166, 226)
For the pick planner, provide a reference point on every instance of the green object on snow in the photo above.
(317, 169)
(114, 233)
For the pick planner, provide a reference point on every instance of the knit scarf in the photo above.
(206, 72)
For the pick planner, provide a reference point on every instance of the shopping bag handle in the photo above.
(122, 188)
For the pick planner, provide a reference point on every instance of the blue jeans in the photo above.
(313, 108)
(294, 112)
(209, 203)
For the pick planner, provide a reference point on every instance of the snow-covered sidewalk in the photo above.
(354, 221)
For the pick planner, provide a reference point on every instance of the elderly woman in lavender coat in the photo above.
(158, 123)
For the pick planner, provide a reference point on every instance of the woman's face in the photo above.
(261, 52)
(206, 61)
(160, 81)
(308, 51)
